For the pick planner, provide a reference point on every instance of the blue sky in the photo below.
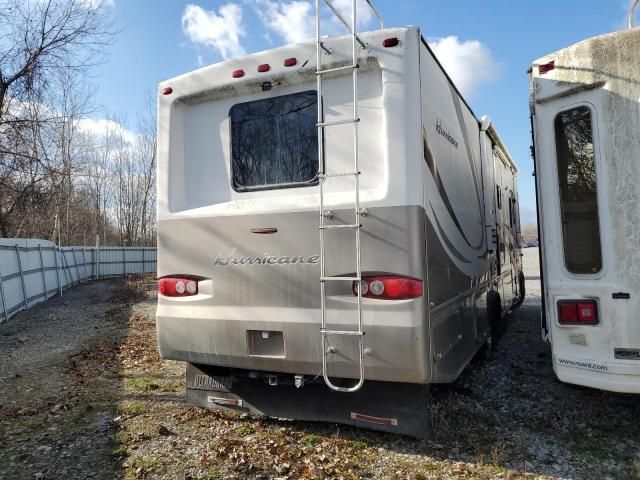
(496, 42)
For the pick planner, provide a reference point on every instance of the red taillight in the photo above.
(167, 91)
(290, 62)
(265, 67)
(178, 286)
(547, 67)
(389, 287)
(238, 74)
(390, 42)
(578, 312)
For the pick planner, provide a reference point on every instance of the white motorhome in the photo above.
(585, 118)
(336, 230)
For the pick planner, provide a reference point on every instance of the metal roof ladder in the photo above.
(326, 333)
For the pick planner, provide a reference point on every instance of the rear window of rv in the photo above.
(274, 142)
(578, 192)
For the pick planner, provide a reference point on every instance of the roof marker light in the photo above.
(547, 67)
(238, 73)
(290, 62)
(265, 67)
(167, 91)
(391, 42)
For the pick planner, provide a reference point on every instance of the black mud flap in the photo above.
(401, 408)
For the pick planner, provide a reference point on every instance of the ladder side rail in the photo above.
(321, 168)
(376, 13)
(346, 23)
(356, 168)
(350, 27)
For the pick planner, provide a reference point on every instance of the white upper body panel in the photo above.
(194, 139)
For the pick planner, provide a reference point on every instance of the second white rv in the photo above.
(585, 116)
(329, 248)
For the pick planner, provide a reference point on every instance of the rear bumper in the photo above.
(396, 352)
(603, 375)
(391, 407)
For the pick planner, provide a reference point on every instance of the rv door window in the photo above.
(274, 142)
(578, 199)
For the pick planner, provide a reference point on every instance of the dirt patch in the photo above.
(94, 400)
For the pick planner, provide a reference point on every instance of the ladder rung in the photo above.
(331, 227)
(332, 175)
(338, 122)
(340, 279)
(337, 69)
(342, 332)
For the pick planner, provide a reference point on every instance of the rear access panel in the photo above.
(261, 343)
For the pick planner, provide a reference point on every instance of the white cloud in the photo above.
(221, 31)
(102, 127)
(295, 20)
(469, 63)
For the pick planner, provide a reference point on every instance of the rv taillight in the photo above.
(390, 42)
(578, 312)
(178, 286)
(167, 91)
(238, 74)
(290, 62)
(547, 67)
(389, 287)
(265, 67)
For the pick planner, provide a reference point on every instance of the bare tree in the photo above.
(147, 147)
(45, 45)
(119, 177)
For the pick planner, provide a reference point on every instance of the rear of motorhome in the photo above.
(328, 247)
(585, 118)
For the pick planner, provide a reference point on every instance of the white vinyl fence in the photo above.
(33, 270)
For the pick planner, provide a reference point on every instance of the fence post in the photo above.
(97, 257)
(44, 279)
(144, 265)
(84, 260)
(4, 301)
(124, 262)
(55, 258)
(68, 276)
(24, 290)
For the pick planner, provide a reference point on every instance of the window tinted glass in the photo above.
(274, 142)
(578, 199)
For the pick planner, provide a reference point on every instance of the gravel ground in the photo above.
(85, 395)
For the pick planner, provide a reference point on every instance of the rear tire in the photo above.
(494, 318)
(521, 290)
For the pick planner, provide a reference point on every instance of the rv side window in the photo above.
(578, 199)
(274, 142)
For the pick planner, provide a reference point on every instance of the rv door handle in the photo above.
(264, 230)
